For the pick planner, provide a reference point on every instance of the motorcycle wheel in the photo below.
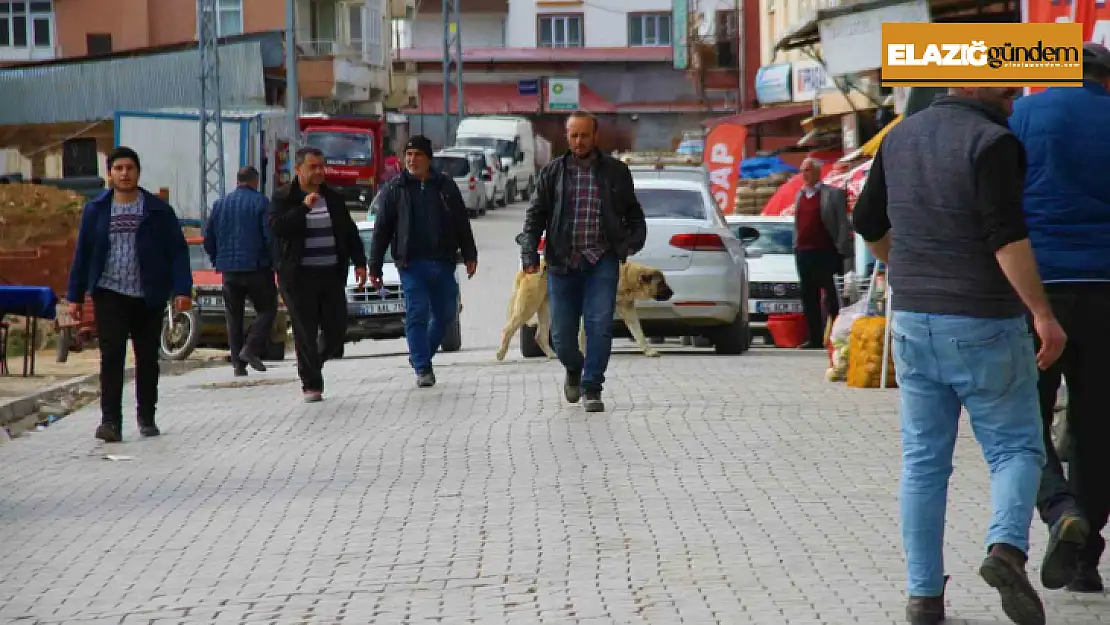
(179, 340)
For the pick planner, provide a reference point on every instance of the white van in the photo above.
(514, 140)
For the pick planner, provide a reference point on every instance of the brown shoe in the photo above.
(926, 610)
(1004, 570)
(311, 397)
(109, 433)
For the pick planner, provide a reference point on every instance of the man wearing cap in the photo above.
(423, 218)
(237, 240)
(1066, 134)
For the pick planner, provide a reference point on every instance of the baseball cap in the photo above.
(1096, 54)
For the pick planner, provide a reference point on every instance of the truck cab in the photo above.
(353, 154)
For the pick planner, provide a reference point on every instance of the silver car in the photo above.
(465, 166)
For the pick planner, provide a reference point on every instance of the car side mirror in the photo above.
(747, 235)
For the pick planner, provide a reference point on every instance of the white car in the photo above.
(704, 262)
(496, 177)
(774, 286)
(464, 166)
(381, 314)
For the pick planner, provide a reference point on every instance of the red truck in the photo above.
(354, 159)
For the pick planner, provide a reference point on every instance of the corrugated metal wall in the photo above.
(94, 90)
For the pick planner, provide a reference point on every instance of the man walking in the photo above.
(237, 240)
(586, 205)
(317, 241)
(822, 242)
(1067, 204)
(963, 274)
(423, 217)
(132, 255)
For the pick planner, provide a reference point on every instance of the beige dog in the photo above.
(636, 283)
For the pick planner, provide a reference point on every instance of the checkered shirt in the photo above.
(587, 239)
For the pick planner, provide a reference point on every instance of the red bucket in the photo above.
(788, 330)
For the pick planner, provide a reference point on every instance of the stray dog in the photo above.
(636, 283)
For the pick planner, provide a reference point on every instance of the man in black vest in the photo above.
(962, 275)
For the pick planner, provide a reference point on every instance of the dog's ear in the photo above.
(647, 278)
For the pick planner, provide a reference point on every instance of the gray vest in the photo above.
(940, 262)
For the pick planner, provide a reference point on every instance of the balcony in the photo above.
(334, 70)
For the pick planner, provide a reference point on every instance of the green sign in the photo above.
(562, 94)
(680, 14)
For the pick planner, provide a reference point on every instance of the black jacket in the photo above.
(622, 216)
(393, 224)
(287, 224)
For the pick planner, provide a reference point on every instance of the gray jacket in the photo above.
(834, 214)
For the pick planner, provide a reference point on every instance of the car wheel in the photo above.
(274, 351)
(510, 192)
(529, 348)
(526, 192)
(734, 338)
(452, 341)
(490, 203)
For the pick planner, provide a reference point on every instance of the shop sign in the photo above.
(772, 84)
(853, 42)
(680, 47)
(562, 94)
(808, 78)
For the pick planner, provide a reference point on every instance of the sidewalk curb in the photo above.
(13, 412)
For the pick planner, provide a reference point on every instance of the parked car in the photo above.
(703, 260)
(381, 314)
(209, 308)
(464, 166)
(774, 286)
(496, 177)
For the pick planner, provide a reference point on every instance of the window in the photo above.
(774, 237)
(367, 37)
(354, 25)
(671, 204)
(560, 31)
(98, 43)
(453, 166)
(229, 17)
(26, 24)
(649, 29)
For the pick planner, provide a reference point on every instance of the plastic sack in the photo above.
(865, 354)
(842, 327)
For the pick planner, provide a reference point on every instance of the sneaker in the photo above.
(593, 402)
(311, 397)
(1004, 570)
(150, 430)
(253, 360)
(1086, 580)
(926, 610)
(425, 379)
(1061, 559)
(109, 433)
(572, 387)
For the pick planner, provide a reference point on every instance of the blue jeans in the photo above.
(431, 303)
(587, 293)
(944, 362)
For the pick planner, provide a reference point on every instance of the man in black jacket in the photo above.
(586, 205)
(317, 241)
(421, 214)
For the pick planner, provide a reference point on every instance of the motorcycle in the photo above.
(180, 333)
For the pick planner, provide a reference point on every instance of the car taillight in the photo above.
(700, 242)
(543, 240)
(472, 183)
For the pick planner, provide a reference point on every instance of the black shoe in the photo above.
(1086, 580)
(926, 610)
(253, 360)
(240, 372)
(109, 433)
(426, 379)
(572, 387)
(593, 402)
(150, 430)
(1061, 559)
(1004, 570)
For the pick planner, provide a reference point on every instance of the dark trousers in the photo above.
(816, 272)
(432, 301)
(587, 295)
(118, 318)
(1083, 311)
(260, 288)
(317, 303)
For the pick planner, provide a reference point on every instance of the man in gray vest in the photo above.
(962, 278)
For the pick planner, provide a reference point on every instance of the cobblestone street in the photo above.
(716, 489)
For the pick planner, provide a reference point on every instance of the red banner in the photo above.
(724, 149)
(1093, 14)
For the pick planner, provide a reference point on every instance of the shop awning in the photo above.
(762, 115)
(872, 145)
(498, 99)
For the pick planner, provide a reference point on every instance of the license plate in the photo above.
(382, 308)
(772, 307)
(216, 302)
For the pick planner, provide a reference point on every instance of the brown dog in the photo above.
(636, 283)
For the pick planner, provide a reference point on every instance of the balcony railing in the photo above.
(328, 47)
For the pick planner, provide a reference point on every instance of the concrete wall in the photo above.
(605, 22)
(478, 31)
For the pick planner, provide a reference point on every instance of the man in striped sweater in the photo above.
(316, 243)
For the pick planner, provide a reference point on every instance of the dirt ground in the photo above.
(48, 371)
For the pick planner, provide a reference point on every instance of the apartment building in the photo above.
(621, 52)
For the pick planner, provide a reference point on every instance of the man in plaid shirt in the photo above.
(586, 205)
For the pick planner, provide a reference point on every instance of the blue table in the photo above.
(34, 303)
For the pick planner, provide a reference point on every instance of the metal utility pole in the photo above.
(292, 95)
(452, 38)
(211, 115)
